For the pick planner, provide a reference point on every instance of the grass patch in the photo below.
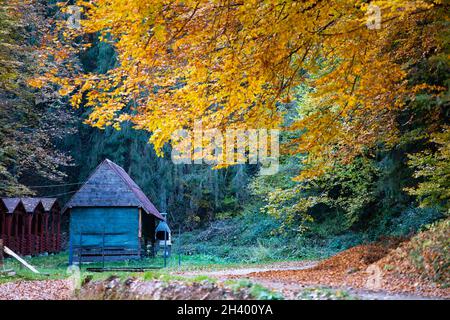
(56, 267)
(50, 267)
(256, 290)
(321, 293)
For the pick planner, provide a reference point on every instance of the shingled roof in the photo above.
(29, 204)
(111, 186)
(48, 203)
(11, 204)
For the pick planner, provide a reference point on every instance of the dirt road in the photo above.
(280, 277)
(226, 273)
(292, 289)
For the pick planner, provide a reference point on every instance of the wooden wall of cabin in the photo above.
(114, 228)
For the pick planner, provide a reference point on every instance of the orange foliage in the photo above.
(228, 63)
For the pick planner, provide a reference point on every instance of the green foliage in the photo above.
(325, 294)
(282, 197)
(261, 252)
(433, 168)
(158, 275)
(344, 194)
(246, 238)
(257, 291)
(253, 237)
(412, 220)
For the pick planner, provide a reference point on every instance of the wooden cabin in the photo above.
(110, 217)
(30, 226)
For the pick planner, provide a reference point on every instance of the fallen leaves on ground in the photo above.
(36, 290)
(377, 266)
(401, 275)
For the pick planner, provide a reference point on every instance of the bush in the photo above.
(430, 252)
(412, 220)
(247, 237)
(345, 241)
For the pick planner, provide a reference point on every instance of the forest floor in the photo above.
(55, 289)
(267, 276)
(281, 278)
(373, 271)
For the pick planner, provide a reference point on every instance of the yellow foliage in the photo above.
(228, 63)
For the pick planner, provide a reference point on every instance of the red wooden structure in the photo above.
(30, 226)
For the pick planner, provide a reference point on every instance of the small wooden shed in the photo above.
(110, 217)
(30, 226)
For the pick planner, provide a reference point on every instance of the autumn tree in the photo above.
(29, 120)
(229, 63)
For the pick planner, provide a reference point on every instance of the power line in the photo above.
(56, 185)
(60, 194)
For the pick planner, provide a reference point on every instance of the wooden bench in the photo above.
(99, 254)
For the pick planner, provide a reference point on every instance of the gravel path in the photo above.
(279, 266)
(36, 290)
(290, 289)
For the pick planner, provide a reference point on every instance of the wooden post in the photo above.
(29, 236)
(23, 245)
(1, 253)
(16, 225)
(140, 233)
(18, 258)
(41, 248)
(51, 231)
(70, 251)
(16, 232)
(45, 246)
(80, 248)
(58, 232)
(8, 230)
(165, 249)
(33, 233)
(103, 248)
(54, 248)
